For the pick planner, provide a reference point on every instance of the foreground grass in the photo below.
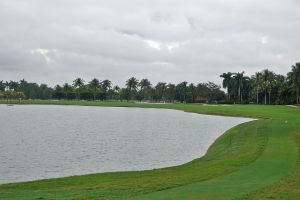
(254, 160)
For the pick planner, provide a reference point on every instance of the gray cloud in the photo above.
(171, 40)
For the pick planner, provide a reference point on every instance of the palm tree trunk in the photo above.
(228, 94)
(241, 98)
(265, 97)
(297, 95)
(257, 97)
(240, 94)
(270, 97)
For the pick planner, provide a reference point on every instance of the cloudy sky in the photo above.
(55, 41)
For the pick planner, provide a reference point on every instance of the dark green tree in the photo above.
(94, 85)
(227, 83)
(78, 83)
(294, 80)
(132, 85)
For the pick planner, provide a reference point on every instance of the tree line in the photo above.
(265, 87)
(138, 90)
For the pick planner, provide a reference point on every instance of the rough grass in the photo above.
(254, 160)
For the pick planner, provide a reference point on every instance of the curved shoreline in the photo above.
(233, 161)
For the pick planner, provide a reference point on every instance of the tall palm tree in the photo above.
(11, 85)
(227, 82)
(272, 84)
(160, 90)
(94, 84)
(2, 86)
(131, 85)
(267, 83)
(106, 86)
(67, 88)
(170, 92)
(238, 80)
(294, 79)
(182, 90)
(144, 85)
(192, 91)
(6, 84)
(116, 92)
(77, 83)
(257, 84)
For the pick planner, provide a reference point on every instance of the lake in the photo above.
(47, 141)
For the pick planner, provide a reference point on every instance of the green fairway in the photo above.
(254, 160)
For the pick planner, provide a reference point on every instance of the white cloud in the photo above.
(153, 44)
(172, 46)
(43, 53)
(264, 40)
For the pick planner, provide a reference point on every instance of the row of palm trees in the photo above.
(265, 87)
(139, 90)
(8, 85)
(234, 83)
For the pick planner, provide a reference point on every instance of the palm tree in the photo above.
(7, 86)
(2, 86)
(192, 91)
(67, 88)
(182, 89)
(12, 85)
(94, 85)
(77, 83)
(144, 85)
(267, 83)
(272, 83)
(257, 84)
(170, 92)
(238, 80)
(131, 85)
(58, 92)
(294, 79)
(116, 92)
(106, 86)
(227, 82)
(160, 90)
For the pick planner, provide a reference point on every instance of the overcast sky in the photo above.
(55, 41)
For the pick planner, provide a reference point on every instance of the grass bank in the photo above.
(254, 160)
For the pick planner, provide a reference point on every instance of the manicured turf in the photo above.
(254, 160)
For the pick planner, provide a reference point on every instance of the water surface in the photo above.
(47, 141)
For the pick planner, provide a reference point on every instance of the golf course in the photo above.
(254, 160)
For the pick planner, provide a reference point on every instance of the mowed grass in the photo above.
(254, 160)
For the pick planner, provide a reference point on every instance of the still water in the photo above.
(38, 141)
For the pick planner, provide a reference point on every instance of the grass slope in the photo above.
(254, 160)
